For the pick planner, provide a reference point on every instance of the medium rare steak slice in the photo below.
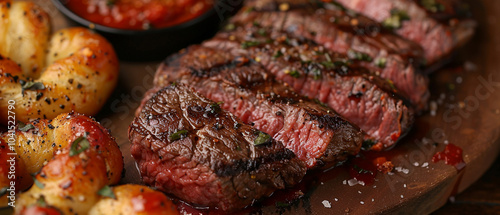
(439, 26)
(184, 144)
(316, 134)
(384, 54)
(364, 99)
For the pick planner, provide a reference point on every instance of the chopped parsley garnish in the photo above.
(178, 135)
(230, 27)
(432, 5)
(30, 85)
(328, 64)
(25, 127)
(354, 55)
(215, 107)
(367, 144)
(396, 19)
(278, 54)
(78, 146)
(106, 191)
(316, 74)
(38, 183)
(361, 170)
(293, 73)
(262, 32)
(262, 138)
(41, 201)
(248, 44)
(381, 62)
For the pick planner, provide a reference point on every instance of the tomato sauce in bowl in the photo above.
(139, 14)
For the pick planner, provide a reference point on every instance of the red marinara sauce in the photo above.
(452, 155)
(139, 14)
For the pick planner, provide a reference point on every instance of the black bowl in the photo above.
(152, 44)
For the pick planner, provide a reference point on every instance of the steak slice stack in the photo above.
(439, 26)
(364, 99)
(315, 133)
(184, 144)
(383, 53)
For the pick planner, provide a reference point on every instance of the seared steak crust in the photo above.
(313, 132)
(363, 98)
(184, 144)
(389, 56)
(439, 26)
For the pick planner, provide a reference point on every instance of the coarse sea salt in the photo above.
(327, 204)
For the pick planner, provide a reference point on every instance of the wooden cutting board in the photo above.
(467, 115)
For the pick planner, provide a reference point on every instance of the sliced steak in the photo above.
(439, 26)
(364, 99)
(388, 55)
(316, 134)
(184, 144)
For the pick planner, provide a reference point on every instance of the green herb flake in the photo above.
(316, 74)
(367, 144)
(178, 135)
(24, 127)
(30, 85)
(262, 138)
(381, 62)
(110, 2)
(354, 55)
(293, 73)
(396, 19)
(3, 191)
(282, 204)
(41, 201)
(78, 146)
(215, 107)
(230, 27)
(432, 6)
(38, 183)
(361, 170)
(106, 191)
(262, 32)
(391, 84)
(328, 64)
(248, 44)
(278, 54)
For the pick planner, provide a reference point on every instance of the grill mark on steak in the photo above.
(439, 32)
(315, 133)
(333, 29)
(364, 99)
(216, 166)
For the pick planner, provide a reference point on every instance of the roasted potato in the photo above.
(78, 73)
(70, 182)
(13, 174)
(134, 200)
(37, 142)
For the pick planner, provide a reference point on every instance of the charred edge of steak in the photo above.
(338, 17)
(302, 66)
(244, 80)
(384, 54)
(208, 150)
(304, 56)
